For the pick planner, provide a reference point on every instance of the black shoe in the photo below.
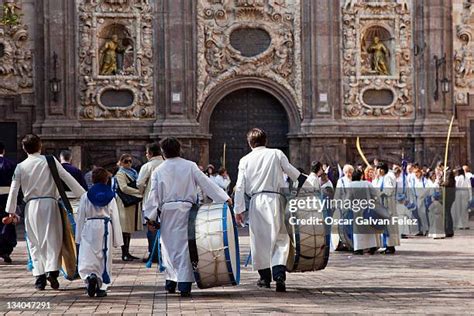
(359, 252)
(132, 257)
(145, 260)
(92, 285)
(40, 283)
(449, 235)
(389, 251)
(280, 286)
(185, 294)
(419, 234)
(126, 258)
(6, 258)
(403, 236)
(170, 287)
(101, 293)
(372, 250)
(263, 283)
(53, 279)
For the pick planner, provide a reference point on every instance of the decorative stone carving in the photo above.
(463, 51)
(218, 60)
(116, 53)
(389, 23)
(16, 60)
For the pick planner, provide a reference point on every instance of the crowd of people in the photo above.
(161, 193)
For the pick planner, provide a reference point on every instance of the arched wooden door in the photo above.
(238, 112)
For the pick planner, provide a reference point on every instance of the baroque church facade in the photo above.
(104, 77)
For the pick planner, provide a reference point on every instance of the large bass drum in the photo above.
(214, 245)
(309, 237)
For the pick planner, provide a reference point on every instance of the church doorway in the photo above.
(234, 115)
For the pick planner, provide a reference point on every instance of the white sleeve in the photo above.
(287, 167)
(209, 187)
(239, 197)
(14, 188)
(150, 208)
(81, 218)
(116, 228)
(143, 177)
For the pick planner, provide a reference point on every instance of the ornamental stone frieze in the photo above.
(463, 16)
(16, 61)
(241, 38)
(116, 59)
(376, 61)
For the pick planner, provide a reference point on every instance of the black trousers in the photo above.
(278, 272)
(182, 286)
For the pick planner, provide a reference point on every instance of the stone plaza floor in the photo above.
(426, 276)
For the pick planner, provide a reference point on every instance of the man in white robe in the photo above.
(340, 195)
(97, 230)
(174, 190)
(153, 154)
(313, 178)
(261, 176)
(387, 184)
(43, 223)
(419, 192)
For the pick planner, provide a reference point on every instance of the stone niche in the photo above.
(16, 59)
(116, 59)
(376, 61)
(242, 38)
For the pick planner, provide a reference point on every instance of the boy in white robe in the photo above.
(43, 222)
(261, 177)
(97, 230)
(173, 192)
(436, 217)
(340, 195)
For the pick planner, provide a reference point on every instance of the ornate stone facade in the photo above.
(130, 21)
(218, 60)
(367, 93)
(16, 59)
(463, 51)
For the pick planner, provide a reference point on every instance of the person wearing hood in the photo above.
(97, 230)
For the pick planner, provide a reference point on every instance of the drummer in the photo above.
(174, 191)
(261, 177)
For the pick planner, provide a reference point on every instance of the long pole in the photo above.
(359, 149)
(223, 155)
(445, 166)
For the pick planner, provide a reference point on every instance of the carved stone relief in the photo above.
(463, 15)
(116, 55)
(376, 59)
(222, 23)
(16, 60)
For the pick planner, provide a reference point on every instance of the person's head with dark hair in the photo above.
(210, 170)
(256, 137)
(357, 175)
(222, 171)
(316, 167)
(459, 171)
(397, 171)
(100, 175)
(31, 144)
(65, 156)
(2, 148)
(126, 161)
(152, 150)
(170, 147)
(431, 175)
(382, 166)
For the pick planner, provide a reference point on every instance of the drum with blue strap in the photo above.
(214, 245)
(309, 238)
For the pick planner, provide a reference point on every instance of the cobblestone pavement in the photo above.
(426, 276)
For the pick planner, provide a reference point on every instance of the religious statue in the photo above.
(112, 56)
(10, 17)
(379, 57)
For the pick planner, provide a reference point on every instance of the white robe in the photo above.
(420, 190)
(388, 183)
(404, 216)
(340, 195)
(174, 188)
(459, 209)
(436, 220)
(90, 236)
(222, 182)
(144, 178)
(42, 218)
(263, 170)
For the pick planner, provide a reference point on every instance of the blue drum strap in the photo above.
(226, 245)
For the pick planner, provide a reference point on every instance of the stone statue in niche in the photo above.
(111, 55)
(380, 55)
